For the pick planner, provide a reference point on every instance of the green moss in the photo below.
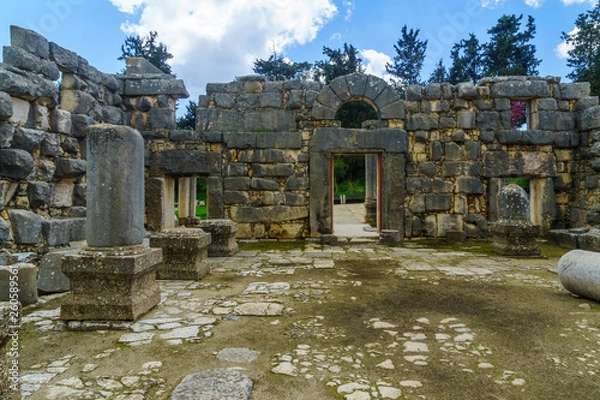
(272, 246)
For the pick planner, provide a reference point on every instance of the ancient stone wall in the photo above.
(443, 151)
(49, 96)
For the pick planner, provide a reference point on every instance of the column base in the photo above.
(185, 254)
(111, 283)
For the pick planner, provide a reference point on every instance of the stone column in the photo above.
(371, 190)
(184, 200)
(113, 277)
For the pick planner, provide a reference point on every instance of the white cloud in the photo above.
(217, 40)
(490, 3)
(569, 2)
(350, 6)
(127, 6)
(534, 3)
(562, 50)
(375, 62)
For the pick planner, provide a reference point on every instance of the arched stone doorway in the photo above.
(383, 139)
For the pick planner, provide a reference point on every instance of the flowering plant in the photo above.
(518, 115)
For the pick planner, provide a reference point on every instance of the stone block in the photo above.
(488, 120)
(77, 102)
(4, 232)
(7, 132)
(69, 168)
(438, 202)
(423, 122)
(390, 236)
(26, 276)
(114, 115)
(467, 120)
(21, 59)
(111, 284)
(466, 90)
(515, 239)
(50, 146)
(161, 118)
(39, 194)
(56, 232)
(272, 170)
(453, 152)
(278, 140)
(455, 168)
(66, 60)
(77, 232)
(26, 226)
(521, 89)
(574, 91)
(29, 41)
(6, 106)
(237, 140)
(29, 140)
(185, 253)
(270, 100)
(213, 384)
(264, 184)
(237, 183)
(16, 164)
(588, 119)
(222, 231)
(50, 277)
(29, 86)
(154, 87)
(80, 124)
(579, 272)
(471, 186)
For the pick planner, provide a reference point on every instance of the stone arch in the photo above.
(368, 88)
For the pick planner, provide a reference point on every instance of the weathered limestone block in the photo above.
(50, 277)
(66, 60)
(7, 132)
(77, 102)
(111, 283)
(29, 86)
(185, 252)
(4, 232)
(390, 236)
(184, 162)
(69, 168)
(10, 322)
(214, 384)
(26, 276)
(579, 272)
(514, 234)
(6, 106)
(222, 233)
(16, 164)
(56, 232)
(30, 41)
(26, 226)
(115, 214)
(29, 140)
(466, 90)
(521, 88)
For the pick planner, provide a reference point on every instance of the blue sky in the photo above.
(217, 40)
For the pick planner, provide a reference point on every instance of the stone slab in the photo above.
(214, 384)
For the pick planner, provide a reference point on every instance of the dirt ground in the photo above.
(430, 320)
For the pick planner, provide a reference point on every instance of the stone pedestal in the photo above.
(390, 236)
(515, 238)
(222, 232)
(10, 321)
(185, 253)
(111, 284)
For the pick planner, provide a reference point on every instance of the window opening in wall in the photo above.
(525, 183)
(519, 115)
(352, 114)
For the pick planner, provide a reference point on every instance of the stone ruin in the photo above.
(514, 234)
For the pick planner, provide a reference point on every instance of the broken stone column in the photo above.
(113, 278)
(514, 234)
(371, 190)
(222, 232)
(10, 321)
(579, 272)
(185, 253)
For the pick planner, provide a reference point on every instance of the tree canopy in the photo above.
(509, 51)
(188, 121)
(584, 53)
(149, 48)
(277, 68)
(466, 60)
(341, 62)
(409, 58)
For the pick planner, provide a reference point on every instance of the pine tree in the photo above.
(276, 68)
(584, 55)
(509, 51)
(439, 74)
(341, 62)
(409, 58)
(466, 60)
(188, 121)
(147, 47)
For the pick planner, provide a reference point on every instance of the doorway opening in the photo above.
(190, 198)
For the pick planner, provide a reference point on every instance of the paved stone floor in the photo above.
(305, 321)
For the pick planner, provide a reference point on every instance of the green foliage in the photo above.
(188, 121)
(353, 113)
(409, 58)
(147, 47)
(349, 173)
(522, 182)
(584, 55)
(276, 68)
(439, 74)
(466, 60)
(509, 51)
(341, 62)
